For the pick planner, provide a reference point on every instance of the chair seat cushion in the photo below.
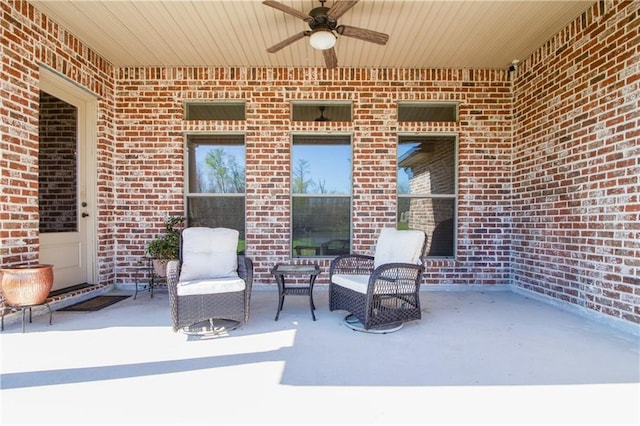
(358, 283)
(227, 284)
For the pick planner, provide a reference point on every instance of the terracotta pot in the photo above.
(26, 285)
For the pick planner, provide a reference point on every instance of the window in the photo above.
(441, 112)
(215, 110)
(216, 182)
(321, 111)
(320, 195)
(57, 161)
(427, 189)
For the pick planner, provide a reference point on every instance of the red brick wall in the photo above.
(576, 164)
(30, 39)
(548, 162)
(150, 146)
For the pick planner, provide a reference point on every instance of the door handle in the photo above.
(84, 214)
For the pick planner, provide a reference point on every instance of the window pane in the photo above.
(226, 212)
(321, 165)
(321, 112)
(426, 165)
(321, 226)
(216, 164)
(57, 178)
(215, 111)
(435, 217)
(424, 112)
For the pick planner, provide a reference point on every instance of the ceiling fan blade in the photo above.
(286, 9)
(363, 34)
(285, 43)
(339, 8)
(330, 58)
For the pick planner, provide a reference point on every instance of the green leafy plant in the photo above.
(167, 245)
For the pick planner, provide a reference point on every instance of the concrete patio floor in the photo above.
(476, 357)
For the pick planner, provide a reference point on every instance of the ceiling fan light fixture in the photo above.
(322, 39)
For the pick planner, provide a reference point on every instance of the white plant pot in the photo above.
(160, 267)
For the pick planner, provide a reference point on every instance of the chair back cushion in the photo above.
(396, 246)
(209, 253)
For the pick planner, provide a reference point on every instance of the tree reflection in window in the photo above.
(321, 195)
(216, 182)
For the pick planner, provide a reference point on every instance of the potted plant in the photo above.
(165, 247)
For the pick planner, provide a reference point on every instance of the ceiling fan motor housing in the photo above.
(321, 20)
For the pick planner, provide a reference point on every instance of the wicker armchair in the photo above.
(210, 281)
(380, 291)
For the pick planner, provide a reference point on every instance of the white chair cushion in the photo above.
(208, 253)
(394, 246)
(357, 283)
(211, 286)
(360, 283)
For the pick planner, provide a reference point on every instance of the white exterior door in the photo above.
(66, 189)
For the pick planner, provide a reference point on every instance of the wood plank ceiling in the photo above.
(422, 34)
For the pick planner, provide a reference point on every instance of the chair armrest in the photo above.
(353, 264)
(396, 278)
(245, 271)
(173, 275)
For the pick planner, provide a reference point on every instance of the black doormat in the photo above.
(94, 304)
(69, 289)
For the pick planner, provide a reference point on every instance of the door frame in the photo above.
(50, 80)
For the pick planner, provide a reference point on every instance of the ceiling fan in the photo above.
(324, 28)
(322, 117)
